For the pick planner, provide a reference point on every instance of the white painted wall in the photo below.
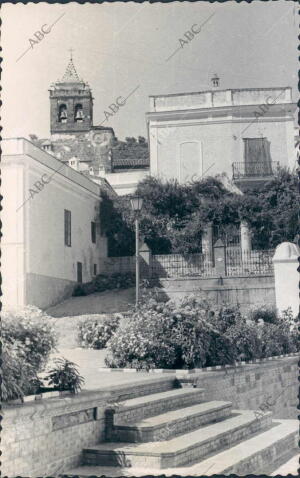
(47, 270)
(287, 277)
(218, 121)
(124, 182)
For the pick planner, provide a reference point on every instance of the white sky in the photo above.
(122, 45)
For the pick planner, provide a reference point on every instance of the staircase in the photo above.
(178, 432)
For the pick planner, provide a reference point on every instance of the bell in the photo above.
(79, 114)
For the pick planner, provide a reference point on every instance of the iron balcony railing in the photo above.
(253, 169)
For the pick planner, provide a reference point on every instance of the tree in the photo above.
(130, 140)
(174, 215)
(141, 140)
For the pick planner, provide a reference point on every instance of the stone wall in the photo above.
(251, 385)
(48, 436)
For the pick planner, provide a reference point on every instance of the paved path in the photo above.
(109, 301)
(89, 361)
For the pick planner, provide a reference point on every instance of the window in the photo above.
(95, 269)
(62, 114)
(67, 228)
(257, 157)
(93, 232)
(79, 272)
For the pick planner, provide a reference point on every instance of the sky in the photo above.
(128, 50)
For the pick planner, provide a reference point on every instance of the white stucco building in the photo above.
(51, 227)
(244, 133)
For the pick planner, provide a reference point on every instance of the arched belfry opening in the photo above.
(78, 113)
(71, 103)
(62, 113)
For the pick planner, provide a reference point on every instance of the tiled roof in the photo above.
(131, 163)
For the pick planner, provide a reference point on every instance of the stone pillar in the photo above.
(245, 237)
(285, 262)
(220, 258)
(207, 240)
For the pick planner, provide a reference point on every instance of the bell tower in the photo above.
(71, 104)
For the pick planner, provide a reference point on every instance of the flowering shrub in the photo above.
(193, 333)
(266, 313)
(95, 333)
(27, 340)
(104, 282)
(31, 328)
(18, 375)
(164, 335)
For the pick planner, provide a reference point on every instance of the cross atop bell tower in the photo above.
(71, 103)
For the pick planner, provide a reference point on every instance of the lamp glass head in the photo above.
(136, 203)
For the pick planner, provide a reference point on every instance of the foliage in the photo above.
(18, 376)
(164, 335)
(113, 223)
(27, 340)
(174, 215)
(245, 339)
(265, 313)
(95, 334)
(104, 282)
(65, 376)
(194, 333)
(31, 329)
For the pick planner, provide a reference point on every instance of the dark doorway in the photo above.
(79, 272)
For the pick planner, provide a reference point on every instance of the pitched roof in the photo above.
(71, 75)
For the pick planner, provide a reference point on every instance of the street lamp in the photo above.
(136, 205)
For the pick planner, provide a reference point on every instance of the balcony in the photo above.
(253, 173)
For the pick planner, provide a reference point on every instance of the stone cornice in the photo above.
(226, 111)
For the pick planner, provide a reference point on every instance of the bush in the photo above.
(164, 335)
(277, 340)
(266, 313)
(32, 330)
(245, 340)
(95, 333)
(193, 333)
(65, 376)
(104, 282)
(27, 340)
(18, 375)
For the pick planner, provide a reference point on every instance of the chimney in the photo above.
(215, 81)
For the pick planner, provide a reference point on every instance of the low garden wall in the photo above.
(252, 385)
(47, 437)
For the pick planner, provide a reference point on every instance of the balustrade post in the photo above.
(245, 240)
(220, 258)
(285, 262)
(207, 241)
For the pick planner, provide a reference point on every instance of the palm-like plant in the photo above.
(65, 376)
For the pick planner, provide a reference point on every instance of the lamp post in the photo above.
(136, 206)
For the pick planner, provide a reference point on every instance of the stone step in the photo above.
(170, 424)
(136, 409)
(187, 448)
(254, 455)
